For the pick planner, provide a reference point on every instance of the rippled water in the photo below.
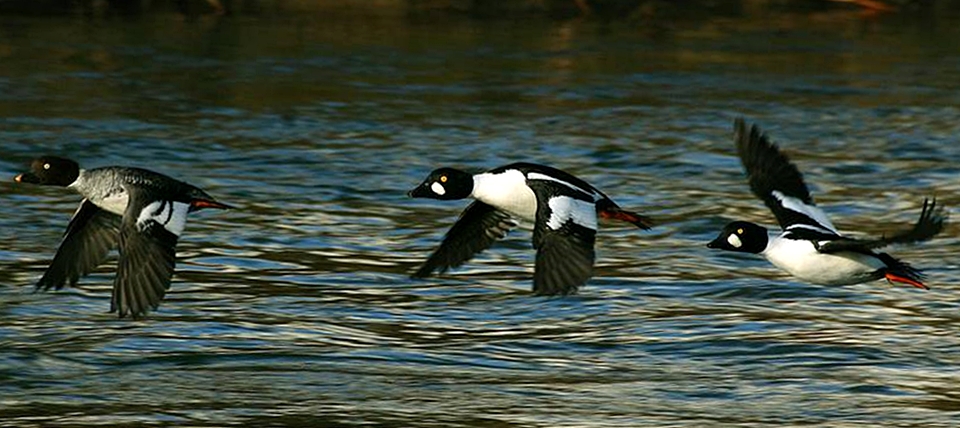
(296, 309)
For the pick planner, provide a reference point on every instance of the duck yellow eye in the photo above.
(46, 166)
(740, 231)
(443, 178)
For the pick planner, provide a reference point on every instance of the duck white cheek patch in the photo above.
(734, 241)
(438, 188)
(564, 208)
(171, 215)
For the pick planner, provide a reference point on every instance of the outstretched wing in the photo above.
(478, 227)
(91, 234)
(148, 240)
(779, 183)
(564, 260)
(564, 236)
(928, 225)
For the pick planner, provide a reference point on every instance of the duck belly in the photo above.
(802, 260)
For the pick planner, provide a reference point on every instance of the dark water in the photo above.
(296, 309)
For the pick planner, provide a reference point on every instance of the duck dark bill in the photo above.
(27, 178)
(563, 209)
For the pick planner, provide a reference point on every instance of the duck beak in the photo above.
(26, 178)
(419, 192)
(716, 243)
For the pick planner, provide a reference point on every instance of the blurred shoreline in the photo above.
(604, 10)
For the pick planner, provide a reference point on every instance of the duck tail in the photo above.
(902, 272)
(199, 204)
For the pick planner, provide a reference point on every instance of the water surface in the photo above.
(296, 309)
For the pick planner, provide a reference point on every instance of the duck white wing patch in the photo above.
(564, 239)
(171, 215)
(565, 208)
(115, 202)
(539, 176)
(811, 211)
(811, 228)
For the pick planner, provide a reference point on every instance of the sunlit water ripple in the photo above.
(296, 308)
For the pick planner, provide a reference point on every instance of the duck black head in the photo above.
(445, 184)
(50, 171)
(741, 236)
